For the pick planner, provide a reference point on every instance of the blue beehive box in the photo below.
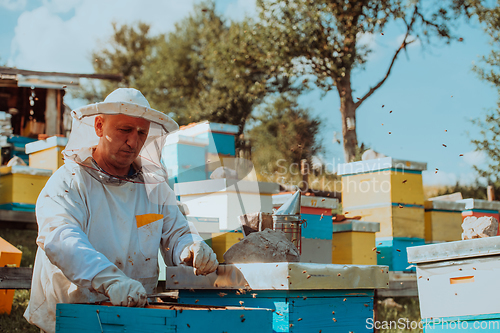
(82, 318)
(18, 146)
(391, 252)
(305, 297)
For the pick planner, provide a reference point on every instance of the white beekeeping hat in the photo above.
(130, 102)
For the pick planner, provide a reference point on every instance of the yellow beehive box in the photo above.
(443, 221)
(21, 184)
(222, 241)
(396, 220)
(353, 242)
(382, 181)
(46, 154)
(9, 256)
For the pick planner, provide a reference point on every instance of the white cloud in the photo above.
(44, 41)
(241, 9)
(475, 158)
(13, 5)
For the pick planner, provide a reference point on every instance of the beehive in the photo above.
(161, 317)
(388, 191)
(457, 283)
(382, 181)
(396, 220)
(226, 199)
(353, 243)
(20, 186)
(47, 154)
(305, 297)
(443, 221)
(392, 252)
(222, 241)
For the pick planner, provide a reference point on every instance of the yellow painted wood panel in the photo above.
(222, 241)
(410, 192)
(383, 215)
(366, 189)
(408, 222)
(51, 159)
(443, 226)
(394, 221)
(9, 255)
(363, 253)
(6, 188)
(353, 248)
(26, 188)
(342, 248)
(428, 226)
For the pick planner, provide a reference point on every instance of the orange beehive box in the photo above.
(9, 256)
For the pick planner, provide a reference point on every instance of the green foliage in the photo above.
(475, 191)
(490, 124)
(207, 69)
(283, 135)
(406, 308)
(24, 240)
(360, 149)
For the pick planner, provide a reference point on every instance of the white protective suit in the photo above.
(89, 221)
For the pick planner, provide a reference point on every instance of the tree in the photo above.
(490, 125)
(321, 38)
(212, 70)
(282, 136)
(207, 69)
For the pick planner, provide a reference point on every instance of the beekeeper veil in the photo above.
(147, 168)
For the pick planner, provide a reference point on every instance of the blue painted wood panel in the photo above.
(393, 252)
(298, 311)
(23, 207)
(222, 144)
(317, 226)
(76, 318)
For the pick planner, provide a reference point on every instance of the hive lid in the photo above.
(39, 145)
(307, 201)
(355, 225)
(478, 247)
(280, 276)
(444, 205)
(480, 204)
(379, 164)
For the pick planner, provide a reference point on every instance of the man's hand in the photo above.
(201, 257)
(120, 289)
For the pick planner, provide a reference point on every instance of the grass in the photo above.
(401, 317)
(24, 240)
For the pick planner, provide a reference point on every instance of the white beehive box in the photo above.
(226, 199)
(457, 279)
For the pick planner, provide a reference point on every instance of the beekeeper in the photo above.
(103, 215)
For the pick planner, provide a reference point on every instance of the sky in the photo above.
(432, 92)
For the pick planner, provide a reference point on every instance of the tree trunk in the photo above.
(348, 112)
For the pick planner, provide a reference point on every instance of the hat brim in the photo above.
(128, 109)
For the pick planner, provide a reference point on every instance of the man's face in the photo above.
(121, 138)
